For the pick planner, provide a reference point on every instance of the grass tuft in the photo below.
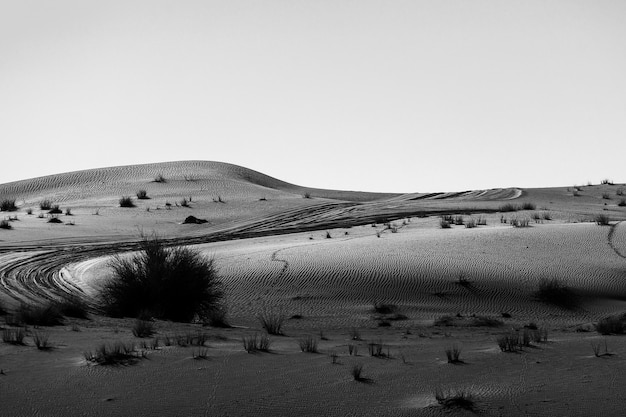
(272, 321)
(8, 205)
(450, 399)
(143, 328)
(142, 195)
(602, 220)
(41, 340)
(126, 201)
(308, 344)
(117, 353)
(555, 291)
(13, 336)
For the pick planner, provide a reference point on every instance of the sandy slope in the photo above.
(272, 250)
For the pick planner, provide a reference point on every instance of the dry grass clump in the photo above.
(176, 283)
(528, 206)
(598, 351)
(118, 353)
(142, 195)
(43, 315)
(622, 203)
(256, 343)
(42, 340)
(555, 291)
(612, 325)
(524, 222)
(376, 349)
(444, 224)
(8, 205)
(143, 328)
(508, 207)
(126, 201)
(509, 342)
(451, 399)
(357, 372)
(308, 344)
(45, 204)
(453, 353)
(55, 209)
(55, 219)
(4, 224)
(602, 220)
(272, 321)
(13, 336)
(160, 178)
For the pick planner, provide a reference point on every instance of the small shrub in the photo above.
(73, 306)
(483, 321)
(444, 321)
(357, 372)
(528, 206)
(55, 220)
(606, 181)
(620, 191)
(455, 399)
(482, 221)
(55, 210)
(611, 325)
(306, 195)
(508, 207)
(8, 205)
(444, 224)
(126, 201)
(45, 204)
(41, 340)
(597, 349)
(308, 344)
(68, 211)
(470, 224)
(4, 224)
(272, 321)
(622, 203)
(509, 342)
(546, 215)
(160, 178)
(376, 349)
(45, 315)
(255, 343)
(381, 308)
(453, 353)
(142, 195)
(143, 328)
(520, 222)
(29, 211)
(606, 196)
(602, 220)
(353, 349)
(355, 334)
(13, 336)
(201, 353)
(217, 317)
(113, 354)
(554, 291)
(184, 202)
(458, 220)
(328, 236)
(333, 358)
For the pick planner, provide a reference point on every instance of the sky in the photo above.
(385, 95)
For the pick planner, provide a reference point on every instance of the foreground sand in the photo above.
(272, 250)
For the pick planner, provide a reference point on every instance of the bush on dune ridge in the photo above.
(176, 283)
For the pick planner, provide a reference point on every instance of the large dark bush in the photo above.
(175, 283)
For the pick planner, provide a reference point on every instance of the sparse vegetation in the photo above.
(184, 202)
(13, 336)
(118, 353)
(126, 201)
(41, 340)
(143, 328)
(73, 306)
(509, 342)
(272, 321)
(142, 195)
(450, 399)
(306, 195)
(175, 283)
(528, 206)
(606, 196)
(8, 205)
(519, 223)
(606, 181)
(508, 207)
(376, 349)
(55, 219)
(68, 211)
(256, 343)
(444, 224)
(308, 344)
(555, 291)
(602, 220)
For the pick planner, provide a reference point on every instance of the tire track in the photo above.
(611, 241)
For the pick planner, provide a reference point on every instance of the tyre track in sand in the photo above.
(611, 240)
(30, 273)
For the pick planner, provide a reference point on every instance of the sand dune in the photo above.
(324, 262)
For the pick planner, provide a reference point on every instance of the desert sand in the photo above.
(324, 259)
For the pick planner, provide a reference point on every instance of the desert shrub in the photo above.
(255, 343)
(470, 224)
(306, 195)
(8, 205)
(42, 340)
(357, 372)
(308, 344)
(606, 181)
(602, 220)
(458, 220)
(73, 306)
(126, 201)
(611, 325)
(482, 221)
(113, 354)
(528, 206)
(42, 315)
(508, 207)
(622, 203)
(455, 399)
(68, 211)
(444, 224)
(54, 219)
(620, 191)
(606, 196)
(555, 291)
(142, 195)
(376, 349)
(217, 316)
(483, 321)
(597, 349)
(382, 308)
(546, 215)
(13, 336)
(143, 328)
(168, 283)
(453, 353)
(520, 222)
(509, 342)
(160, 178)
(184, 202)
(45, 204)
(272, 321)
(55, 209)
(4, 224)
(29, 211)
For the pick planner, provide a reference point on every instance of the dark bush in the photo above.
(45, 204)
(8, 205)
(508, 207)
(611, 325)
(73, 306)
(4, 224)
(554, 291)
(44, 315)
(142, 195)
(602, 220)
(126, 202)
(528, 206)
(55, 209)
(169, 283)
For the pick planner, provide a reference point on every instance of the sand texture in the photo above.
(324, 259)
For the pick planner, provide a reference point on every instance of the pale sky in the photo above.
(383, 95)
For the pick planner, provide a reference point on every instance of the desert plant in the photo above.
(306, 195)
(45, 204)
(458, 220)
(606, 181)
(55, 209)
(256, 343)
(622, 203)
(355, 334)
(611, 325)
(620, 191)
(546, 215)
(160, 178)
(41, 340)
(606, 196)
(597, 349)
(29, 211)
(13, 336)
(470, 224)
(142, 195)
(73, 306)
(184, 202)
(328, 236)
(484, 321)
(113, 354)
(382, 308)
(509, 342)
(602, 220)
(453, 353)
(8, 205)
(4, 224)
(555, 291)
(143, 328)
(444, 224)
(126, 201)
(41, 315)
(333, 357)
(174, 283)
(376, 349)
(508, 207)
(272, 321)
(455, 399)
(357, 372)
(308, 344)
(201, 353)
(54, 219)
(528, 206)
(217, 317)
(520, 222)
(353, 349)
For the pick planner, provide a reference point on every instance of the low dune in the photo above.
(352, 270)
